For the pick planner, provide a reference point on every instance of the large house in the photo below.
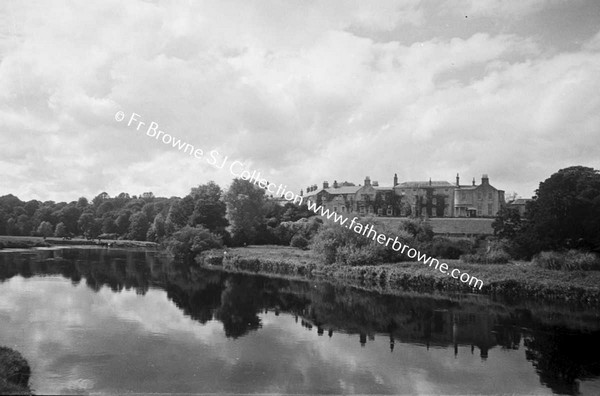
(410, 199)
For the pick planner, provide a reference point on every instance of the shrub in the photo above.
(491, 257)
(186, 243)
(448, 249)
(298, 241)
(571, 260)
(14, 372)
(337, 244)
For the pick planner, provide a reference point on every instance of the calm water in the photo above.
(117, 321)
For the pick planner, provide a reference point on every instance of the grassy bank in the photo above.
(514, 280)
(27, 242)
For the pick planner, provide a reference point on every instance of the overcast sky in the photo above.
(304, 91)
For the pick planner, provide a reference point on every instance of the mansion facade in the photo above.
(410, 199)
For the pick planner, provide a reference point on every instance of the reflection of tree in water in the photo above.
(14, 373)
(239, 307)
(237, 300)
(562, 359)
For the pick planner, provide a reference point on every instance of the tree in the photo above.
(88, 225)
(507, 222)
(245, 210)
(138, 227)
(209, 209)
(565, 213)
(122, 222)
(69, 215)
(157, 229)
(61, 230)
(180, 212)
(45, 229)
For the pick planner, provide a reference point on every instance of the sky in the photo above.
(301, 91)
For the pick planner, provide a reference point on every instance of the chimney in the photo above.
(430, 181)
(302, 192)
(326, 184)
(367, 181)
(473, 181)
(457, 180)
(485, 179)
(375, 183)
(395, 179)
(335, 184)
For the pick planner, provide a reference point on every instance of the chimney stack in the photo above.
(375, 183)
(335, 184)
(485, 179)
(395, 179)
(473, 181)
(367, 181)
(457, 180)
(326, 184)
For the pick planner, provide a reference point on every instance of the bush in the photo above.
(14, 372)
(186, 243)
(491, 257)
(298, 241)
(307, 228)
(448, 249)
(337, 244)
(571, 260)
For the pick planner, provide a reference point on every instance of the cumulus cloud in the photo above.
(303, 91)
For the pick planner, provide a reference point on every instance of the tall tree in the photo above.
(245, 210)
(209, 208)
(138, 226)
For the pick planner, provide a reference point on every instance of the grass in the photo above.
(514, 279)
(28, 242)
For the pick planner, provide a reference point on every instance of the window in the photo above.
(463, 196)
(361, 209)
(335, 208)
(389, 211)
(434, 201)
(479, 196)
(490, 209)
(490, 197)
(379, 212)
(343, 209)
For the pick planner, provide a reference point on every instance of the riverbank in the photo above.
(28, 242)
(513, 280)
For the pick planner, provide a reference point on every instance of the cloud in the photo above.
(301, 91)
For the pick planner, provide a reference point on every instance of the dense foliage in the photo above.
(241, 215)
(564, 215)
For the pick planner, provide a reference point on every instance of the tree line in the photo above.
(243, 214)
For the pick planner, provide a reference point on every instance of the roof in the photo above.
(343, 190)
(378, 188)
(420, 184)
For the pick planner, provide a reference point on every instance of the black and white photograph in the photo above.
(300, 197)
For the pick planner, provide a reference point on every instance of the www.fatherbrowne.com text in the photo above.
(238, 169)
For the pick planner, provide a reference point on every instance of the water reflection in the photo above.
(258, 334)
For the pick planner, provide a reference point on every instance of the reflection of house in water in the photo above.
(438, 328)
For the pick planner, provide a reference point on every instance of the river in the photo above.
(115, 321)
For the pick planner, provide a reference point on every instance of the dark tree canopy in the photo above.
(565, 213)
